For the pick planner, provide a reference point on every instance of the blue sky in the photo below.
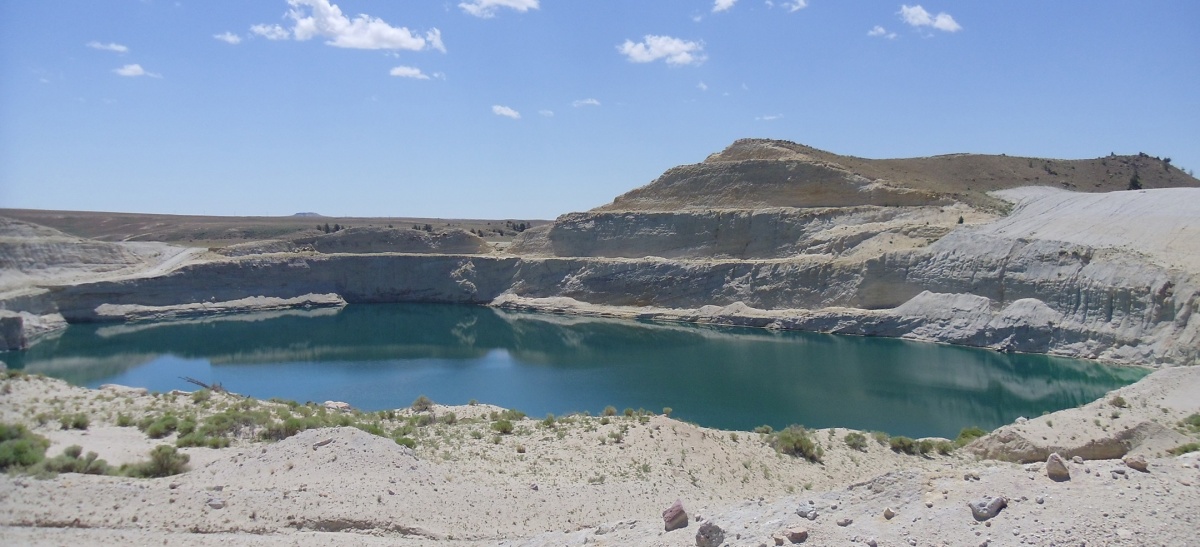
(533, 108)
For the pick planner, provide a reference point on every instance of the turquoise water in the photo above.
(385, 355)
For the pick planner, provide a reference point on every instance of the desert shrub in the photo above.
(124, 420)
(1192, 422)
(610, 410)
(71, 462)
(795, 440)
(856, 440)
(1118, 402)
(968, 434)
(502, 426)
(667, 411)
(925, 446)
(549, 421)
(201, 396)
(405, 441)
(422, 404)
(372, 428)
(628, 412)
(1184, 449)
(157, 428)
(75, 421)
(20, 447)
(165, 461)
(944, 447)
(903, 445)
(511, 414)
(764, 429)
(882, 438)
(448, 418)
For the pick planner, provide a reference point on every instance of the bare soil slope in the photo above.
(221, 231)
(757, 173)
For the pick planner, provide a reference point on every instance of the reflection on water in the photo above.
(384, 356)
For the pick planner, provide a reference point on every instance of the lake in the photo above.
(383, 356)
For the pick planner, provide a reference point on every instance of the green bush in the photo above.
(610, 410)
(75, 421)
(124, 420)
(502, 426)
(201, 396)
(628, 412)
(1184, 449)
(856, 440)
(944, 447)
(448, 418)
(20, 447)
(903, 445)
(968, 434)
(795, 440)
(165, 461)
(422, 404)
(882, 438)
(549, 421)
(71, 462)
(764, 429)
(161, 427)
(406, 441)
(1118, 402)
(925, 446)
(1192, 422)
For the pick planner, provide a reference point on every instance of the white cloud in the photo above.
(546, 113)
(228, 37)
(435, 40)
(702, 86)
(487, 8)
(134, 71)
(918, 17)
(505, 111)
(108, 47)
(271, 32)
(409, 72)
(768, 118)
(722, 5)
(320, 18)
(792, 6)
(313, 18)
(585, 102)
(881, 32)
(674, 50)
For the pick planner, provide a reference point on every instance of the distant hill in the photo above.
(309, 215)
(760, 173)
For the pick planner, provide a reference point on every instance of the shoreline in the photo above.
(586, 479)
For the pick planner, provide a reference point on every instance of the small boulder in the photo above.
(337, 405)
(808, 510)
(674, 517)
(796, 534)
(710, 535)
(1137, 463)
(845, 521)
(216, 503)
(1056, 468)
(888, 513)
(987, 507)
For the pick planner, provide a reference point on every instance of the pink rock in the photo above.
(675, 517)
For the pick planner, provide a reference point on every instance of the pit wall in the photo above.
(1011, 295)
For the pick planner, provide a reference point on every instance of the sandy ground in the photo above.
(583, 480)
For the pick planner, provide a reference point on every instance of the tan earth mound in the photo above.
(756, 173)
